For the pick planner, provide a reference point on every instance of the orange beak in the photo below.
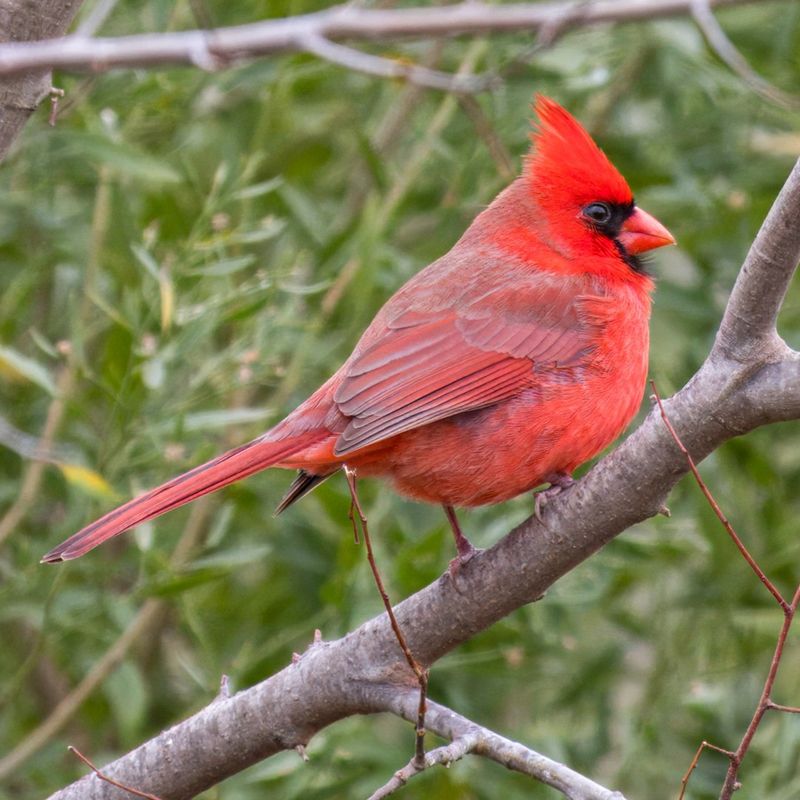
(641, 232)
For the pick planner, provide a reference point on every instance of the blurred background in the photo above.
(186, 256)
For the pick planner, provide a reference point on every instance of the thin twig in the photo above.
(93, 21)
(31, 447)
(765, 702)
(512, 755)
(56, 95)
(77, 753)
(382, 67)
(29, 486)
(728, 53)
(419, 671)
(717, 510)
(729, 754)
(787, 709)
(444, 755)
(210, 49)
(498, 151)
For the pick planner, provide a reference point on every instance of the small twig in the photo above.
(469, 737)
(55, 97)
(717, 510)
(92, 22)
(730, 55)
(765, 702)
(497, 150)
(31, 447)
(77, 753)
(351, 515)
(224, 688)
(444, 755)
(419, 671)
(703, 746)
(383, 67)
(787, 709)
(34, 473)
(302, 752)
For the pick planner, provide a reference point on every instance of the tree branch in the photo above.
(727, 52)
(362, 672)
(21, 23)
(748, 325)
(212, 49)
(468, 737)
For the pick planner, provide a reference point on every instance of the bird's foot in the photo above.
(559, 481)
(466, 550)
(465, 555)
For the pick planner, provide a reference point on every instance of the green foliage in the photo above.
(210, 246)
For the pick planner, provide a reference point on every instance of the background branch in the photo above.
(315, 32)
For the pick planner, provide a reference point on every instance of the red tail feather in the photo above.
(227, 468)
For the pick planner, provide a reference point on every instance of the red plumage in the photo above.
(514, 358)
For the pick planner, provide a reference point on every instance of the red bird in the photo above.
(514, 358)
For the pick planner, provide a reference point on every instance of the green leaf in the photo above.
(16, 367)
(119, 157)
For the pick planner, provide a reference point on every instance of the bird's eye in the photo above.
(599, 213)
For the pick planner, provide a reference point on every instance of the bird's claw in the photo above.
(558, 483)
(464, 555)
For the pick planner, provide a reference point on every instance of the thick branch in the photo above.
(211, 49)
(351, 675)
(752, 311)
(21, 23)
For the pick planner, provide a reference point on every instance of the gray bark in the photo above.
(27, 21)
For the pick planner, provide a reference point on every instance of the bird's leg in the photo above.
(558, 482)
(465, 548)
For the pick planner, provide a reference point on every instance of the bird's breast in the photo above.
(564, 419)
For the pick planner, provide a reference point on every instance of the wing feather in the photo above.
(427, 364)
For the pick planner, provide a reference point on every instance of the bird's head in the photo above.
(587, 205)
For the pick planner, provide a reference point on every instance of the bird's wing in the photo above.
(427, 365)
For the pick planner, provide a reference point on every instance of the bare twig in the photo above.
(344, 22)
(727, 52)
(444, 755)
(382, 67)
(471, 738)
(56, 95)
(498, 151)
(419, 671)
(729, 754)
(765, 702)
(77, 753)
(773, 590)
(31, 447)
(34, 472)
(786, 709)
(94, 20)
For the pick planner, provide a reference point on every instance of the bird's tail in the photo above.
(227, 468)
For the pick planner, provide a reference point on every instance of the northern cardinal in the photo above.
(505, 364)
